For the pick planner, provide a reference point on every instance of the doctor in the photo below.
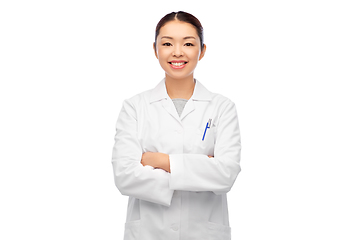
(177, 146)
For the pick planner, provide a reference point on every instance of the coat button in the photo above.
(179, 131)
(175, 227)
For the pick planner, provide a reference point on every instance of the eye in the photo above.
(167, 44)
(189, 44)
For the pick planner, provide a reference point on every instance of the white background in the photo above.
(291, 67)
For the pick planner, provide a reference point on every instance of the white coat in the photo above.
(190, 202)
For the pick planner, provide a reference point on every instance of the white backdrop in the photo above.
(291, 67)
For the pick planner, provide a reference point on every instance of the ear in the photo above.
(154, 47)
(202, 53)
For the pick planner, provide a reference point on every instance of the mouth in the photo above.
(178, 64)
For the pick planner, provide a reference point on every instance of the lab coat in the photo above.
(190, 202)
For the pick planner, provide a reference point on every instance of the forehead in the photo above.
(178, 29)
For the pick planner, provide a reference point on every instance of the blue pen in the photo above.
(208, 124)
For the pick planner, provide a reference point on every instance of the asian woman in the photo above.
(177, 146)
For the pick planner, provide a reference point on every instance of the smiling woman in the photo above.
(177, 146)
(179, 45)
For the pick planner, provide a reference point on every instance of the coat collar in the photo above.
(200, 92)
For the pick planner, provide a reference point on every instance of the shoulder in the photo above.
(142, 96)
(131, 105)
(221, 100)
(201, 93)
(217, 97)
(146, 96)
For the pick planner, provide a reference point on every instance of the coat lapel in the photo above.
(189, 107)
(159, 93)
(170, 108)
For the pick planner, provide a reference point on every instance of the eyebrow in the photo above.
(188, 37)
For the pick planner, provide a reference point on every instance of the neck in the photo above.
(180, 88)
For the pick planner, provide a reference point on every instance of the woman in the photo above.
(177, 146)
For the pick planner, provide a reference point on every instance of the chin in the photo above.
(178, 76)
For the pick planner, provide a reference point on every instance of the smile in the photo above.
(177, 65)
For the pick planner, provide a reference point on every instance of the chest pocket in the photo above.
(194, 142)
(207, 135)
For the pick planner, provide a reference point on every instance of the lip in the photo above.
(177, 61)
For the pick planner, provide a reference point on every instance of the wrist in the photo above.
(164, 162)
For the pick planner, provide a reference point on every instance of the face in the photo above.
(178, 49)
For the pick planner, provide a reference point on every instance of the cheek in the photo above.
(163, 53)
(163, 59)
(193, 54)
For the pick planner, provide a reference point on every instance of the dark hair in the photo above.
(183, 17)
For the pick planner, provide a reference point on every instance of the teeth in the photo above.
(177, 63)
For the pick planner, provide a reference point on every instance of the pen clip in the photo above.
(209, 122)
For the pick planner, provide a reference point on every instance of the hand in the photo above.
(156, 160)
(210, 156)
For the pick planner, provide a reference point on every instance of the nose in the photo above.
(178, 51)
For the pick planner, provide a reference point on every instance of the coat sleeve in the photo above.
(131, 177)
(198, 172)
